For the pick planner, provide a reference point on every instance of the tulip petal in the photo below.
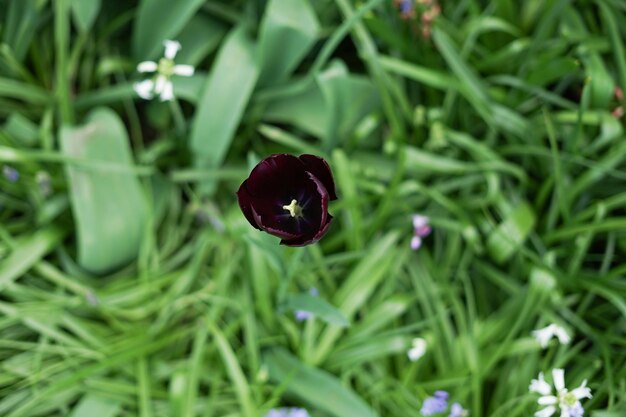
(282, 197)
(319, 167)
(271, 230)
(245, 203)
(307, 240)
(277, 176)
(323, 206)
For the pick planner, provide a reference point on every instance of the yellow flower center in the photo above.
(166, 67)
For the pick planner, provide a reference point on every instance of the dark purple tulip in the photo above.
(287, 196)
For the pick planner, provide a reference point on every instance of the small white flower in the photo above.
(417, 350)
(161, 83)
(567, 401)
(545, 334)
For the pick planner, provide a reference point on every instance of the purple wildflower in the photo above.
(10, 173)
(406, 6)
(435, 404)
(287, 412)
(302, 315)
(456, 410)
(421, 229)
(577, 410)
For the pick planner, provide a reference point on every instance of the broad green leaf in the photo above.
(330, 107)
(319, 388)
(287, 32)
(22, 19)
(319, 307)
(511, 233)
(347, 99)
(223, 101)
(305, 110)
(107, 201)
(199, 38)
(158, 20)
(85, 13)
(92, 405)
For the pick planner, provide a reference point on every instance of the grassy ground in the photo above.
(131, 284)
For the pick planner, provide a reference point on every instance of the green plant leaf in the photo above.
(158, 20)
(85, 13)
(22, 19)
(330, 107)
(319, 307)
(200, 36)
(27, 252)
(315, 386)
(92, 405)
(108, 202)
(287, 32)
(511, 233)
(223, 101)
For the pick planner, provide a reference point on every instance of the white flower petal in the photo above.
(171, 49)
(565, 412)
(540, 385)
(184, 70)
(546, 412)
(547, 400)
(160, 83)
(582, 392)
(144, 89)
(147, 66)
(558, 378)
(562, 335)
(544, 335)
(168, 92)
(418, 350)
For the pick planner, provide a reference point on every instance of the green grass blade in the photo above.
(237, 377)
(85, 13)
(27, 252)
(315, 386)
(93, 405)
(319, 307)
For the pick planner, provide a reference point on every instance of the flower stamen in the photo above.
(294, 209)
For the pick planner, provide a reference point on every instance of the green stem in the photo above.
(179, 118)
(61, 39)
